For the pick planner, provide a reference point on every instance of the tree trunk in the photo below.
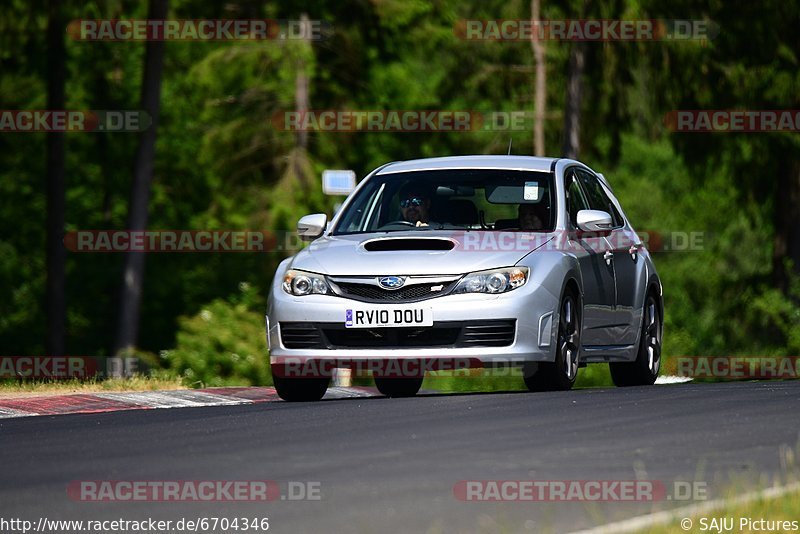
(787, 222)
(299, 156)
(540, 95)
(56, 199)
(133, 276)
(572, 109)
(301, 84)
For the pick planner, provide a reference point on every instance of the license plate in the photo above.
(384, 317)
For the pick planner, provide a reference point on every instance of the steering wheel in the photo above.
(397, 223)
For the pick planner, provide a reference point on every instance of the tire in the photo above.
(398, 387)
(644, 370)
(560, 374)
(300, 389)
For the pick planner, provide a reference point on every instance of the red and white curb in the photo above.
(187, 398)
(152, 400)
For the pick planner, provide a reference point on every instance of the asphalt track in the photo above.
(390, 465)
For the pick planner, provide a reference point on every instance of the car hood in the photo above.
(417, 252)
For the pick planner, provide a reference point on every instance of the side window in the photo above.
(576, 201)
(598, 198)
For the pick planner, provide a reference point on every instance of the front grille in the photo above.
(443, 334)
(411, 293)
(435, 336)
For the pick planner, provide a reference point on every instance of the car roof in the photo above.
(518, 163)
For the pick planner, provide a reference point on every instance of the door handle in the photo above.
(634, 250)
(608, 256)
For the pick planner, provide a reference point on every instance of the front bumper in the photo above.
(532, 309)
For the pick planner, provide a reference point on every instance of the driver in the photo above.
(415, 204)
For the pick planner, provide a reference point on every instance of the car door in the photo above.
(626, 263)
(598, 275)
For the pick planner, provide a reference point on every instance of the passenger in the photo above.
(529, 219)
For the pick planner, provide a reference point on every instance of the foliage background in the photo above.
(221, 165)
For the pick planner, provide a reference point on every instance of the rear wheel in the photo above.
(398, 387)
(561, 373)
(298, 389)
(644, 370)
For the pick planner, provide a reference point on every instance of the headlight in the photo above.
(301, 283)
(493, 281)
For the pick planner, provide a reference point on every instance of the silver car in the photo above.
(467, 261)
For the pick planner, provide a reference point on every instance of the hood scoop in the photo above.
(408, 243)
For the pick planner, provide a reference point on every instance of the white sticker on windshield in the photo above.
(531, 191)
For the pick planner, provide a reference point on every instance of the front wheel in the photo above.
(644, 370)
(560, 374)
(299, 389)
(398, 387)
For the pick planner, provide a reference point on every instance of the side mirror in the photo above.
(311, 226)
(594, 221)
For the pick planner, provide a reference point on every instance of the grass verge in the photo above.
(485, 380)
(33, 388)
(764, 514)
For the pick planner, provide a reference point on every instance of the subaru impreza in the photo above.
(478, 261)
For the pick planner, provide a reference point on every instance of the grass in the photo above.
(488, 380)
(505, 379)
(18, 388)
(782, 508)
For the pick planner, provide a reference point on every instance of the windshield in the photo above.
(473, 199)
